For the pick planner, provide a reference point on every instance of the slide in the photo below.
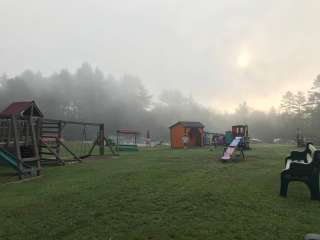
(9, 158)
(232, 147)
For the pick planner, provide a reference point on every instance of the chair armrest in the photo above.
(286, 161)
(287, 164)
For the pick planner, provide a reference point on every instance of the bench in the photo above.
(302, 166)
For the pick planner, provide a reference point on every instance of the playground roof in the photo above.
(213, 133)
(188, 124)
(127, 131)
(22, 108)
(240, 125)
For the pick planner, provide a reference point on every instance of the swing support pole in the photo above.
(101, 139)
(83, 141)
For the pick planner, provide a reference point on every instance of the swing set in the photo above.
(53, 142)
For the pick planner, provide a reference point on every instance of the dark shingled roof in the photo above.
(189, 124)
(22, 108)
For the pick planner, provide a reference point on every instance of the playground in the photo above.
(160, 193)
(28, 140)
(206, 184)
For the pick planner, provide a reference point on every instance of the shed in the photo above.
(186, 134)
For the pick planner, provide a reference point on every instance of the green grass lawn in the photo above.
(160, 194)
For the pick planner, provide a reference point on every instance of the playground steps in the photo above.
(49, 146)
(26, 151)
(50, 154)
(30, 159)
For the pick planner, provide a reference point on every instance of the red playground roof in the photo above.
(127, 131)
(21, 108)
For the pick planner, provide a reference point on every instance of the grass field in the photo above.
(160, 194)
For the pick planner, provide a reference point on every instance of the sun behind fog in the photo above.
(243, 60)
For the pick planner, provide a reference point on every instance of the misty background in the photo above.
(221, 52)
(89, 95)
(150, 63)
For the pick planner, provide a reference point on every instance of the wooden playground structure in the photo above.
(236, 140)
(127, 146)
(51, 141)
(213, 139)
(27, 139)
(19, 137)
(242, 131)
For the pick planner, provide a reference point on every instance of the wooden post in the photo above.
(32, 134)
(27, 132)
(9, 132)
(2, 132)
(17, 146)
(117, 138)
(59, 136)
(101, 140)
(35, 143)
(38, 127)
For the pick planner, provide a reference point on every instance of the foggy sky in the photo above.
(193, 46)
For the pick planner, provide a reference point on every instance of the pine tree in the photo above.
(288, 103)
(299, 105)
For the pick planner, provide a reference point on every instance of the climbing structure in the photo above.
(51, 144)
(27, 139)
(19, 135)
(242, 131)
(131, 143)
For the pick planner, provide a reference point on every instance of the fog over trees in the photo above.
(89, 95)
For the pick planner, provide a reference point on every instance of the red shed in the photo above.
(186, 134)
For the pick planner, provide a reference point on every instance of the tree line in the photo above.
(89, 95)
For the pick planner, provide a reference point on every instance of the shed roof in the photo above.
(188, 124)
(127, 131)
(21, 108)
